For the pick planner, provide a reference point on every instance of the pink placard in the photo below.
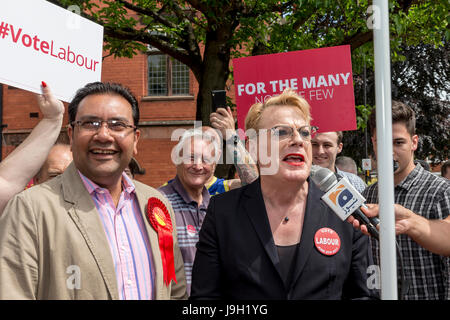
(322, 76)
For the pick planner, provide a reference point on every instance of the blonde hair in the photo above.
(288, 98)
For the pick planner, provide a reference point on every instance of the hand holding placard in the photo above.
(51, 107)
(39, 41)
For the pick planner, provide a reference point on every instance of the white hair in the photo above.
(199, 135)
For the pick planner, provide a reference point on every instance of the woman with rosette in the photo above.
(275, 238)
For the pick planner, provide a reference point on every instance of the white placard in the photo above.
(40, 41)
(366, 164)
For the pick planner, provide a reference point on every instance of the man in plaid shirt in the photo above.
(422, 203)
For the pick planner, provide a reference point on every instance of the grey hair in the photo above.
(195, 133)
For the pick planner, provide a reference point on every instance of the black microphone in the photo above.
(374, 220)
(343, 198)
(395, 165)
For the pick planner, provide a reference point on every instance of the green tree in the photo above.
(206, 34)
(422, 80)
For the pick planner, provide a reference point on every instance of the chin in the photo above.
(294, 175)
(197, 183)
(107, 170)
(321, 163)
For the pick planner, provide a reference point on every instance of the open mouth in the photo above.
(102, 153)
(294, 159)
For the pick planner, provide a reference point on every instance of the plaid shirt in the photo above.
(425, 194)
(189, 216)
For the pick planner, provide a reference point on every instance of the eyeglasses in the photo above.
(94, 125)
(193, 159)
(285, 132)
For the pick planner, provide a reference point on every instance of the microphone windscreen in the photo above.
(324, 178)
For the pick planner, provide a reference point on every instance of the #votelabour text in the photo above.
(18, 37)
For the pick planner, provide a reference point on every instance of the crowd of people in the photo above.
(88, 230)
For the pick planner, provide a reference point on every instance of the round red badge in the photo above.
(327, 241)
(191, 230)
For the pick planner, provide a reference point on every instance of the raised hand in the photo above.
(51, 107)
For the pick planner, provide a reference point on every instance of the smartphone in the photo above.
(219, 99)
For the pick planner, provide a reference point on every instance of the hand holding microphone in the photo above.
(371, 211)
(343, 198)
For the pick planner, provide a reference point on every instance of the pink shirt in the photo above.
(128, 239)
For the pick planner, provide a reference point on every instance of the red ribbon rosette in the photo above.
(159, 218)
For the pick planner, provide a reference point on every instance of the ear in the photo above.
(213, 167)
(339, 149)
(137, 134)
(415, 142)
(373, 138)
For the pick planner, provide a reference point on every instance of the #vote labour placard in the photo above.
(322, 76)
(43, 42)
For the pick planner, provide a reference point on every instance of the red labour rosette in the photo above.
(159, 218)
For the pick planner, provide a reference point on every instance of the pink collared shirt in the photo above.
(128, 239)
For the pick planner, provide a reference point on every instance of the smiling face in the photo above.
(325, 148)
(198, 164)
(103, 155)
(294, 153)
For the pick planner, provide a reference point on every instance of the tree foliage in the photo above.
(206, 34)
(421, 80)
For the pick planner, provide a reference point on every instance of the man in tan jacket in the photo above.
(92, 233)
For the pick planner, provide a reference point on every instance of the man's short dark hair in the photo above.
(340, 136)
(445, 166)
(400, 113)
(104, 88)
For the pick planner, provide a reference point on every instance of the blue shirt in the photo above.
(217, 186)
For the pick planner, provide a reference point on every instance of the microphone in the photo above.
(343, 198)
(395, 165)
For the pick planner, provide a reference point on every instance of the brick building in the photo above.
(166, 91)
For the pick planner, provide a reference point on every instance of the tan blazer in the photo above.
(53, 245)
